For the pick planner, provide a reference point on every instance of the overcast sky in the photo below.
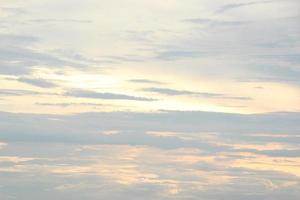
(160, 99)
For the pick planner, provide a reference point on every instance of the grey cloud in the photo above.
(165, 174)
(292, 139)
(215, 22)
(146, 81)
(268, 53)
(273, 72)
(132, 138)
(86, 127)
(15, 68)
(140, 36)
(72, 55)
(16, 40)
(80, 142)
(121, 58)
(173, 54)
(27, 55)
(276, 153)
(99, 95)
(290, 58)
(15, 60)
(173, 92)
(15, 92)
(69, 104)
(17, 57)
(61, 21)
(228, 7)
(37, 82)
(13, 10)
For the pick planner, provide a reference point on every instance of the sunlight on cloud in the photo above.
(177, 172)
(263, 163)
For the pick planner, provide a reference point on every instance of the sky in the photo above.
(131, 99)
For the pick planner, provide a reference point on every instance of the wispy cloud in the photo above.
(61, 20)
(99, 95)
(171, 54)
(173, 92)
(232, 6)
(216, 22)
(146, 81)
(37, 82)
(15, 92)
(69, 104)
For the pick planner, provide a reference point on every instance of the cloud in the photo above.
(16, 60)
(126, 172)
(14, 92)
(69, 104)
(121, 58)
(133, 127)
(223, 51)
(12, 11)
(283, 69)
(16, 40)
(215, 22)
(18, 57)
(37, 82)
(173, 92)
(146, 81)
(232, 6)
(156, 155)
(276, 153)
(60, 21)
(99, 95)
(173, 54)
(2, 145)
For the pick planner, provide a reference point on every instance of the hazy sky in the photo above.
(140, 99)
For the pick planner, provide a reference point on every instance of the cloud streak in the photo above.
(173, 92)
(99, 95)
(37, 82)
(146, 81)
(232, 6)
